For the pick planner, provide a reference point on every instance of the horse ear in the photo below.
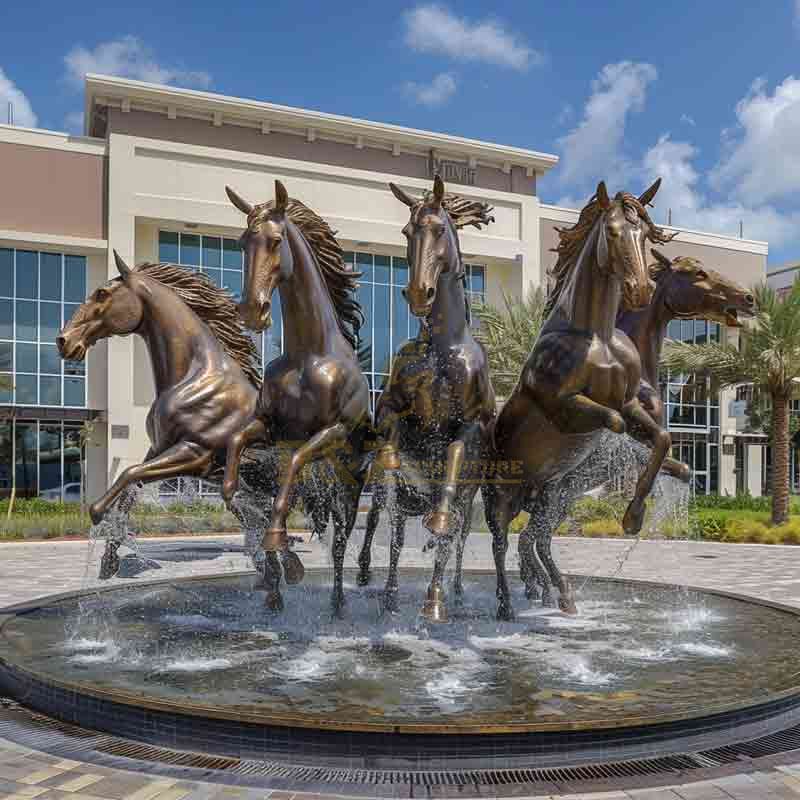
(663, 265)
(240, 203)
(281, 196)
(404, 198)
(602, 247)
(602, 195)
(438, 190)
(123, 269)
(659, 256)
(646, 197)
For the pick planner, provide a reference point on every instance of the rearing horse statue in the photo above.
(684, 289)
(582, 376)
(434, 414)
(314, 400)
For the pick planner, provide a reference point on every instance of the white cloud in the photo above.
(762, 153)
(595, 144)
(688, 119)
(128, 57)
(435, 93)
(692, 208)
(23, 111)
(566, 114)
(432, 28)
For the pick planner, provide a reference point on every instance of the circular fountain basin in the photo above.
(205, 652)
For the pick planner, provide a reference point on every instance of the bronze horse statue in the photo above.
(433, 417)
(684, 289)
(205, 368)
(313, 408)
(583, 376)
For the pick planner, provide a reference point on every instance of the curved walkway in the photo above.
(29, 570)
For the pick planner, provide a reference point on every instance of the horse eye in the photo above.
(701, 275)
(102, 295)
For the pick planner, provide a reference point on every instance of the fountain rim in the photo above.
(247, 715)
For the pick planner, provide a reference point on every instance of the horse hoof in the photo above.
(274, 602)
(567, 605)
(337, 608)
(364, 577)
(293, 569)
(505, 613)
(547, 600)
(439, 522)
(109, 566)
(633, 520)
(532, 593)
(434, 609)
(275, 540)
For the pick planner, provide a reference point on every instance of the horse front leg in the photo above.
(254, 431)
(344, 518)
(182, 459)
(660, 441)
(461, 541)
(373, 518)
(434, 609)
(275, 537)
(499, 513)
(398, 536)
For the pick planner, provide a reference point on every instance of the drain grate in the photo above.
(37, 731)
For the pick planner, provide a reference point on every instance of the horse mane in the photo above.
(462, 210)
(572, 241)
(216, 307)
(341, 281)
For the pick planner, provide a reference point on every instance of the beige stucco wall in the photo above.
(58, 190)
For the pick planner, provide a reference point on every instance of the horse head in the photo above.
(114, 309)
(268, 257)
(688, 290)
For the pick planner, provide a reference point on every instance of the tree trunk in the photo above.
(780, 459)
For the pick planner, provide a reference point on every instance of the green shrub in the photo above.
(602, 527)
(589, 509)
(788, 533)
(746, 530)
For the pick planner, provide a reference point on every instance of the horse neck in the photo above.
(591, 300)
(448, 317)
(647, 328)
(310, 323)
(173, 334)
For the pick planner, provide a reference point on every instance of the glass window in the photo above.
(6, 319)
(212, 251)
(6, 357)
(674, 329)
(231, 254)
(6, 273)
(382, 269)
(27, 357)
(399, 271)
(26, 323)
(74, 454)
(49, 359)
(27, 272)
(168, 246)
(74, 367)
(6, 389)
(49, 390)
(380, 334)
(69, 311)
(214, 275)
(74, 393)
(401, 319)
(348, 257)
(74, 279)
(49, 321)
(26, 466)
(477, 280)
(50, 459)
(25, 390)
(50, 276)
(232, 281)
(364, 265)
(190, 249)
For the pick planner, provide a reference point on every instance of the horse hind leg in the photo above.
(373, 518)
(498, 518)
(398, 523)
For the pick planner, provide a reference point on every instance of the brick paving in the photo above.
(29, 570)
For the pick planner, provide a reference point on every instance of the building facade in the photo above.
(148, 180)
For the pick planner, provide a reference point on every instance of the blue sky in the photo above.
(702, 93)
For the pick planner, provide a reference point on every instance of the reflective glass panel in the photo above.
(50, 461)
(190, 249)
(49, 359)
(26, 461)
(6, 357)
(74, 453)
(6, 319)
(168, 246)
(49, 321)
(232, 281)
(74, 279)
(49, 390)
(27, 357)
(25, 390)
(26, 323)
(27, 272)
(74, 394)
(214, 275)
(364, 265)
(6, 388)
(399, 271)
(6, 272)
(231, 254)
(382, 269)
(381, 342)
(212, 251)
(50, 276)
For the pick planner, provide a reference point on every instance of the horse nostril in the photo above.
(404, 292)
(60, 342)
(750, 299)
(431, 292)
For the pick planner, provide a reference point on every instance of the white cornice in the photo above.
(52, 140)
(562, 214)
(56, 241)
(109, 91)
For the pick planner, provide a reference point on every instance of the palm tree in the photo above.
(509, 334)
(768, 357)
